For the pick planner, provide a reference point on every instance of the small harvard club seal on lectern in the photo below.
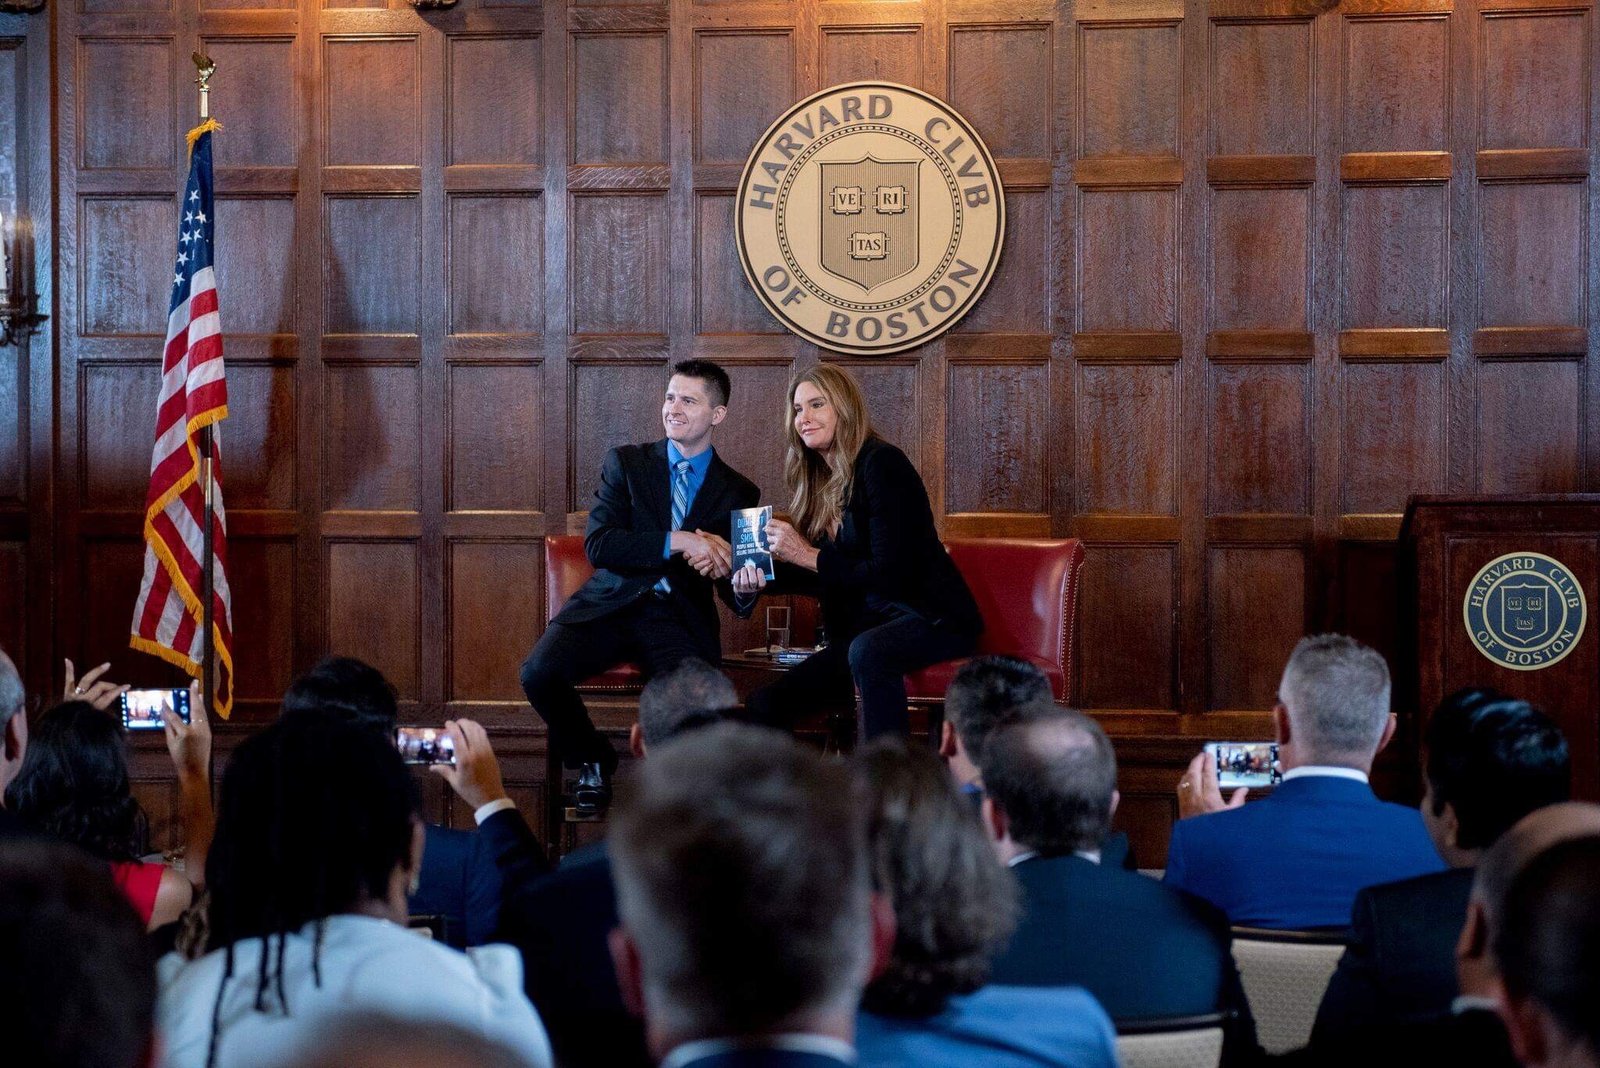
(1525, 611)
(870, 218)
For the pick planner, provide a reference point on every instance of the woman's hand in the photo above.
(90, 688)
(190, 743)
(789, 545)
(748, 580)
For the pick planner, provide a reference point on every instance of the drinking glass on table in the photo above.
(777, 628)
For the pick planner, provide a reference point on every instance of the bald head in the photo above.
(1054, 777)
(1531, 836)
(13, 723)
(11, 695)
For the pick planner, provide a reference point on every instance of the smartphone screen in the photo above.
(142, 710)
(425, 745)
(1252, 764)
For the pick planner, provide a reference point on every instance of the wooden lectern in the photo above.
(1502, 592)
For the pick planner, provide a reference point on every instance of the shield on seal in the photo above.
(869, 220)
(1525, 617)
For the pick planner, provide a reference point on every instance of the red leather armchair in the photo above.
(566, 567)
(1027, 590)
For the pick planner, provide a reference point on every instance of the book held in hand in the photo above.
(750, 539)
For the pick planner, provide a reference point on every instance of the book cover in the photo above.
(750, 539)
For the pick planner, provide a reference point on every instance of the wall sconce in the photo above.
(20, 7)
(19, 304)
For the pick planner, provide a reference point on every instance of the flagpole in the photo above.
(208, 679)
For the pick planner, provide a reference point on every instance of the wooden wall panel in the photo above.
(1396, 80)
(893, 399)
(1396, 256)
(258, 438)
(122, 397)
(126, 279)
(1134, 627)
(371, 101)
(492, 430)
(122, 77)
(619, 119)
(1531, 426)
(995, 443)
(1129, 90)
(725, 303)
(371, 418)
(494, 101)
(1261, 452)
(1258, 612)
(255, 275)
(374, 604)
(621, 259)
(1533, 254)
(495, 262)
(372, 267)
(743, 80)
(1127, 455)
(494, 617)
(260, 91)
(1261, 258)
(1393, 444)
(261, 575)
(872, 53)
(1263, 70)
(1535, 80)
(1128, 260)
(1017, 300)
(986, 65)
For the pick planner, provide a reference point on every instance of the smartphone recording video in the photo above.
(1252, 764)
(425, 745)
(142, 710)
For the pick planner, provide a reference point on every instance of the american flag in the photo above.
(167, 619)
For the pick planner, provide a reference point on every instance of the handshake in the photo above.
(707, 553)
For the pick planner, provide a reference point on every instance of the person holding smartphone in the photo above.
(861, 538)
(73, 785)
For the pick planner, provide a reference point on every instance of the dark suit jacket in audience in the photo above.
(1142, 949)
(560, 924)
(1401, 962)
(1297, 858)
(1474, 1038)
(464, 872)
(748, 1057)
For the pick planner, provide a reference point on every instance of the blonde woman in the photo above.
(861, 538)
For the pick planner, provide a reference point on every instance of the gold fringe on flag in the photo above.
(209, 126)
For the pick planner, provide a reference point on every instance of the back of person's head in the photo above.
(1493, 760)
(1548, 946)
(315, 817)
(345, 687)
(743, 884)
(1336, 691)
(1532, 835)
(77, 973)
(989, 691)
(73, 783)
(692, 695)
(718, 387)
(954, 903)
(12, 694)
(370, 1040)
(1054, 778)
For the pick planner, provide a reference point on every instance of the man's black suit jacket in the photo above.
(1474, 1038)
(1144, 950)
(628, 525)
(464, 874)
(1401, 962)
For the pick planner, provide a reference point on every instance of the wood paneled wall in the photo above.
(1271, 266)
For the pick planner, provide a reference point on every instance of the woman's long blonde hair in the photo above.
(821, 490)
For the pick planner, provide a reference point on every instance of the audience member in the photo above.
(1144, 950)
(13, 738)
(370, 1040)
(561, 922)
(73, 786)
(317, 839)
(1488, 761)
(1471, 1031)
(744, 888)
(1297, 858)
(77, 974)
(1548, 947)
(954, 906)
(462, 873)
(987, 692)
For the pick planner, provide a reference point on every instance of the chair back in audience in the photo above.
(1027, 590)
(1178, 1042)
(567, 567)
(1285, 974)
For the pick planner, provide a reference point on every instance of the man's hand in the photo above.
(1198, 792)
(718, 561)
(189, 744)
(476, 775)
(748, 580)
(90, 688)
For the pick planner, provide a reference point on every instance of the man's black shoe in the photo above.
(592, 794)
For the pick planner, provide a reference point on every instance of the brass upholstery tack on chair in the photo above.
(1178, 1042)
(1285, 974)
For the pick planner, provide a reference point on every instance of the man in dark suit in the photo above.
(462, 873)
(1143, 949)
(560, 923)
(13, 736)
(1297, 859)
(658, 539)
(1489, 762)
(744, 888)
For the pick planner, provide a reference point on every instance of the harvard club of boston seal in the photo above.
(1525, 611)
(870, 218)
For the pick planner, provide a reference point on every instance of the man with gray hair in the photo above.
(1297, 859)
(748, 927)
(13, 736)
